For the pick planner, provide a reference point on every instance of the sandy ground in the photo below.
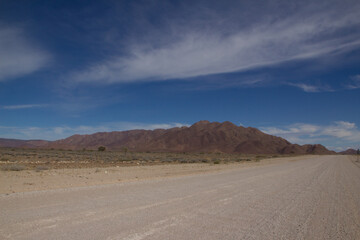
(31, 180)
(312, 198)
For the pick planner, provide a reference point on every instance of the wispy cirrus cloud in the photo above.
(192, 51)
(19, 56)
(59, 132)
(355, 82)
(339, 134)
(311, 88)
(23, 106)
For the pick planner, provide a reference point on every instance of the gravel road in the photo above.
(315, 198)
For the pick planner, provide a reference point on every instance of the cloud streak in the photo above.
(340, 132)
(197, 52)
(311, 88)
(18, 56)
(24, 106)
(355, 82)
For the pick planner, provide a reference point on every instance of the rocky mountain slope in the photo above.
(203, 136)
(16, 143)
(349, 152)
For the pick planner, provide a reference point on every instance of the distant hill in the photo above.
(349, 151)
(4, 142)
(203, 136)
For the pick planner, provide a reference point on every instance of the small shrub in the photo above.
(125, 150)
(258, 158)
(101, 149)
(217, 162)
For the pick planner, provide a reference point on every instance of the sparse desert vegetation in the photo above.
(27, 169)
(17, 159)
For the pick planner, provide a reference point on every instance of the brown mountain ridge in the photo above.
(16, 143)
(349, 151)
(203, 136)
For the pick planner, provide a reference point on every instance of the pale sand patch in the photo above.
(30, 180)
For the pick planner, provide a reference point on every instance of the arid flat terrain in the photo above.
(310, 198)
(42, 169)
(32, 179)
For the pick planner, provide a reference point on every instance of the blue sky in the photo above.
(289, 68)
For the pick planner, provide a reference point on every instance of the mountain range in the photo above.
(203, 136)
(349, 151)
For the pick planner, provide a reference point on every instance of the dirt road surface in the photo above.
(315, 198)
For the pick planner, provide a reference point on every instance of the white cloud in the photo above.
(24, 106)
(355, 82)
(307, 88)
(203, 52)
(298, 128)
(342, 130)
(18, 56)
(311, 88)
(340, 133)
(59, 132)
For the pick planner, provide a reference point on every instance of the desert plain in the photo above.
(202, 196)
(43, 169)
